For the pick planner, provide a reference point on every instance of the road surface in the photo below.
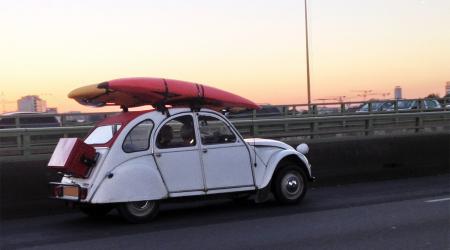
(398, 214)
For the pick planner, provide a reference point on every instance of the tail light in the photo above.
(67, 191)
(57, 191)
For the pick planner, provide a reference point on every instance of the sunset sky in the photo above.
(254, 48)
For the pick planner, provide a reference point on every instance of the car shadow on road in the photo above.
(189, 214)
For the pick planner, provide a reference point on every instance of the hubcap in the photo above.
(141, 208)
(292, 185)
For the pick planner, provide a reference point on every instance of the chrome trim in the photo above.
(224, 188)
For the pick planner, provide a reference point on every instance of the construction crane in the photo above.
(323, 100)
(383, 94)
(332, 98)
(363, 93)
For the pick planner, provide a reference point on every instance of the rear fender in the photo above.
(279, 156)
(134, 180)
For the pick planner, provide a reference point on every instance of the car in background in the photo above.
(377, 106)
(405, 105)
(352, 108)
(327, 110)
(28, 120)
(265, 111)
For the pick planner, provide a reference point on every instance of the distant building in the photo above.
(31, 103)
(447, 88)
(398, 92)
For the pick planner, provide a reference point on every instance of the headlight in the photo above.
(303, 148)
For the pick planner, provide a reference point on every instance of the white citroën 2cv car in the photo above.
(183, 147)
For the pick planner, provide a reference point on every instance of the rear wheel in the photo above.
(290, 184)
(139, 211)
(95, 210)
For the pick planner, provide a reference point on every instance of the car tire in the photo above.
(290, 184)
(96, 210)
(138, 211)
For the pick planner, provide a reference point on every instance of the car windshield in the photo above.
(375, 106)
(102, 134)
(432, 104)
(404, 104)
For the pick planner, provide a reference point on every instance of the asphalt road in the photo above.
(398, 214)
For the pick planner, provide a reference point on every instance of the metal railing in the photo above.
(28, 142)
(23, 143)
(267, 111)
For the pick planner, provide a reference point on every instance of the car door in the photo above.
(177, 155)
(226, 159)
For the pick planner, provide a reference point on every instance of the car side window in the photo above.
(431, 104)
(176, 133)
(138, 139)
(214, 131)
(385, 106)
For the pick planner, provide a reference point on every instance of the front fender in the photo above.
(274, 163)
(134, 180)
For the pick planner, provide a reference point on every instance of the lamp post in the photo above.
(307, 56)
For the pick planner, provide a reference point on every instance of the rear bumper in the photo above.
(67, 192)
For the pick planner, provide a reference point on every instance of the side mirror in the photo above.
(303, 148)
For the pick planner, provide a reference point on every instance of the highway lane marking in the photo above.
(438, 200)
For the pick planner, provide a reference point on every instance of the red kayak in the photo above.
(158, 92)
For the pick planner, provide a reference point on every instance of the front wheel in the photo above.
(290, 184)
(138, 211)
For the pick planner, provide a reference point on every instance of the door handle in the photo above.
(158, 154)
(205, 150)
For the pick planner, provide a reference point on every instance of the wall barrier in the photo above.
(37, 143)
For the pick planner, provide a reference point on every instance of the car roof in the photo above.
(122, 118)
(126, 117)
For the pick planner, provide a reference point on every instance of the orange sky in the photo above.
(252, 48)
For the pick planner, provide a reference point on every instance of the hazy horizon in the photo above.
(254, 48)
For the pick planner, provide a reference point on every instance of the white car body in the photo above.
(245, 165)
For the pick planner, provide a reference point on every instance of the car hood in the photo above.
(257, 142)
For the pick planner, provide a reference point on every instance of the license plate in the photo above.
(71, 191)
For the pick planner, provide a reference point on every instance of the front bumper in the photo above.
(310, 176)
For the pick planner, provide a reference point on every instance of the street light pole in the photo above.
(307, 56)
